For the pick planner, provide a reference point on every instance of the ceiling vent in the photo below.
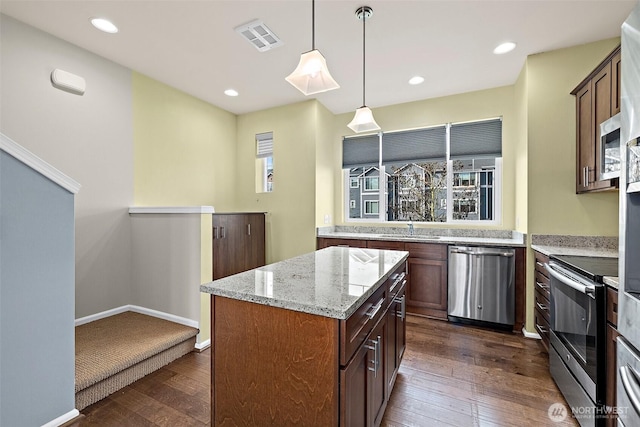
(259, 35)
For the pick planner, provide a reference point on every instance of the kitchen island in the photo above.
(313, 340)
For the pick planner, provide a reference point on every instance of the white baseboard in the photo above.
(533, 335)
(62, 419)
(203, 345)
(141, 310)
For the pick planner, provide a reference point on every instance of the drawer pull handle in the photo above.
(403, 306)
(541, 328)
(397, 279)
(542, 306)
(376, 308)
(376, 356)
(542, 285)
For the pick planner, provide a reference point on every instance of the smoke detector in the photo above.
(259, 35)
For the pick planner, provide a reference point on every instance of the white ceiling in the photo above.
(192, 45)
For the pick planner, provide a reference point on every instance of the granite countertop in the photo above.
(332, 282)
(427, 235)
(566, 250)
(611, 281)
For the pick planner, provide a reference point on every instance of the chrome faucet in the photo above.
(410, 228)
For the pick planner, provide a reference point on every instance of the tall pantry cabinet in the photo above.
(238, 243)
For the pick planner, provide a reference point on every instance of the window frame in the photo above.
(496, 186)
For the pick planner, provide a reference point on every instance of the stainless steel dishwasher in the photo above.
(481, 285)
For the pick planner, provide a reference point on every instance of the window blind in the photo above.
(359, 151)
(414, 146)
(264, 145)
(482, 139)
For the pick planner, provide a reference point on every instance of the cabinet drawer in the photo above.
(354, 330)
(612, 306)
(325, 242)
(542, 285)
(541, 260)
(542, 327)
(542, 305)
(431, 251)
(385, 244)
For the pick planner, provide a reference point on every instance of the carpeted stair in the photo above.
(113, 352)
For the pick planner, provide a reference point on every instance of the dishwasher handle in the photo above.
(482, 252)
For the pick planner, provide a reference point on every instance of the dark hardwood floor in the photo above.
(451, 375)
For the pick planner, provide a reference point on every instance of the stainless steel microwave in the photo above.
(610, 148)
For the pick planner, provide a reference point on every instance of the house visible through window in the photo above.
(443, 173)
(264, 162)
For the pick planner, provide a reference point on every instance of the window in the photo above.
(264, 162)
(445, 173)
(371, 207)
(355, 183)
(371, 183)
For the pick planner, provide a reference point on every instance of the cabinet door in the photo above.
(378, 377)
(254, 235)
(584, 139)
(427, 287)
(354, 386)
(610, 395)
(391, 345)
(601, 107)
(228, 245)
(616, 72)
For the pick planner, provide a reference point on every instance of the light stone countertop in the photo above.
(566, 250)
(427, 238)
(332, 282)
(611, 281)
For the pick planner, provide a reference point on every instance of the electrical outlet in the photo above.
(327, 219)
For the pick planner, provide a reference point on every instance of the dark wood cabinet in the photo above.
(238, 243)
(597, 99)
(610, 362)
(396, 337)
(542, 298)
(366, 378)
(427, 282)
(426, 289)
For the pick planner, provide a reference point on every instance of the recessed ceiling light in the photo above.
(416, 80)
(504, 48)
(104, 25)
(231, 92)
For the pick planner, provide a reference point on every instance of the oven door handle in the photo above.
(587, 290)
(629, 380)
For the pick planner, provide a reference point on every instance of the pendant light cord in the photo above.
(364, 19)
(313, 24)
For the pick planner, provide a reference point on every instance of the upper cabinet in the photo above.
(597, 99)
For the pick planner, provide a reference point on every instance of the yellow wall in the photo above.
(291, 205)
(206, 273)
(184, 148)
(457, 108)
(521, 153)
(553, 205)
(328, 155)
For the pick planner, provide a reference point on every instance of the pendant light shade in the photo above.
(363, 121)
(312, 75)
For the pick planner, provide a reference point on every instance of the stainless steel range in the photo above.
(577, 332)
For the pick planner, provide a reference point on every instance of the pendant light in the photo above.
(312, 75)
(363, 121)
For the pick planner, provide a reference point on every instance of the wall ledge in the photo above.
(171, 210)
(14, 149)
(142, 310)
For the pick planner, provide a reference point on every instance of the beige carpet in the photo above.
(112, 353)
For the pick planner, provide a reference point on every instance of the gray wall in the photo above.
(89, 138)
(166, 263)
(36, 297)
